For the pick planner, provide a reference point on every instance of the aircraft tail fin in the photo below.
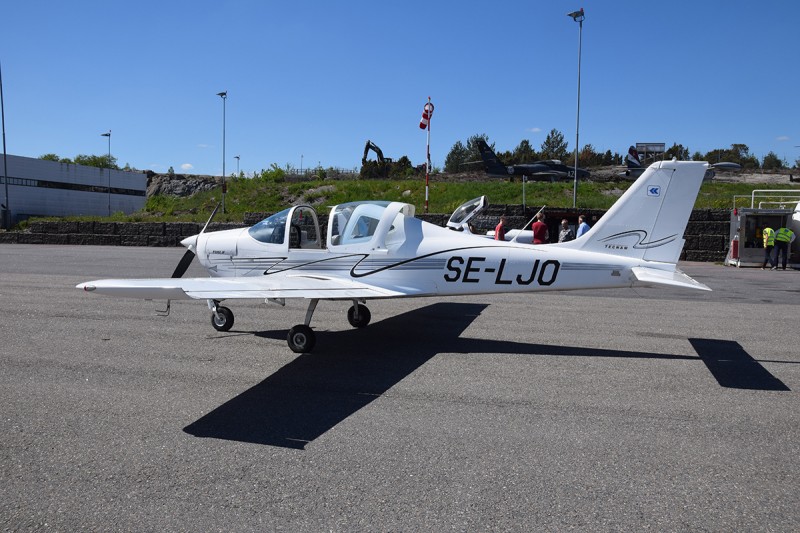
(650, 218)
(632, 159)
(491, 164)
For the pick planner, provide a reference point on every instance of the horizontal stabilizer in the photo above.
(676, 278)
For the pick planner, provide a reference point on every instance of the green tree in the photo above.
(524, 152)
(678, 152)
(740, 151)
(737, 153)
(457, 156)
(772, 162)
(275, 174)
(100, 161)
(474, 154)
(50, 157)
(554, 146)
(588, 157)
(749, 162)
(402, 168)
(508, 157)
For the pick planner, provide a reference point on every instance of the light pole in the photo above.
(578, 17)
(109, 169)
(301, 164)
(236, 157)
(224, 96)
(7, 212)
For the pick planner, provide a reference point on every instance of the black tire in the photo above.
(301, 339)
(222, 320)
(364, 316)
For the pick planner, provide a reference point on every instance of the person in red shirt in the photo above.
(500, 229)
(540, 233)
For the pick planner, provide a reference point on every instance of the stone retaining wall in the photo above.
(706, 234)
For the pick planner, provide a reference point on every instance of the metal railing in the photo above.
(314, 171)
(780, 198)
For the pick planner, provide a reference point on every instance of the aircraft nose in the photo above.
(190, 242)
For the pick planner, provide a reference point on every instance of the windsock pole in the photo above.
(428, 167)
(427, 114)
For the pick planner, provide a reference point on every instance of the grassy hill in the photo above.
(249, 195)
(446, 193)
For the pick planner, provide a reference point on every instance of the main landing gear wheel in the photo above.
(363, 319)
(301, 339)
(222, 320)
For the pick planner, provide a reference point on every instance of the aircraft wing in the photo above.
(289, 286)
(676, 278)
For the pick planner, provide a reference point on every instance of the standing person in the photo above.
(566, 233)
(540, 233)
(769, 244)
(500, 229)
(784, 237)
(583, 227)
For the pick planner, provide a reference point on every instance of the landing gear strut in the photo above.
(358, 315)
(301, 338)
(221, 317)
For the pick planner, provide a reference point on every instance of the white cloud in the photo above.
(782, 138)
(187, 166)
(204, 146)
(535, 130)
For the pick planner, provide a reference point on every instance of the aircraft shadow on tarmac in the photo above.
(733, 367)
(350, 369)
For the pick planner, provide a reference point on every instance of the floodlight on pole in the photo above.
(108, 134)
(224, 96)
(578, 17)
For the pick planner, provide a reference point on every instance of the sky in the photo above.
(309, 82)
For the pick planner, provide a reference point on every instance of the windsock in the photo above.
(427, 113)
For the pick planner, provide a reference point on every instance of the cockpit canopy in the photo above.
(299, 223)
(353, 226)
(377, 223)
(466, 212)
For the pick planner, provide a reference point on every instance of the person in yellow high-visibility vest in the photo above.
(783, 238)
(769, 244)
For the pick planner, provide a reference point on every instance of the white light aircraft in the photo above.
(377, 249)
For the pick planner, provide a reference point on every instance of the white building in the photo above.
(48, 188)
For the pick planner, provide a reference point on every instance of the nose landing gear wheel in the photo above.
(301, 339)
(222, 320)
(363, 319)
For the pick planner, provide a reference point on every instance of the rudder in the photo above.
(491, 164)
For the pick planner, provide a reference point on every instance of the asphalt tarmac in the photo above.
(632, 409)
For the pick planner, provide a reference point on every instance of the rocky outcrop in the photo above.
(181, 185)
